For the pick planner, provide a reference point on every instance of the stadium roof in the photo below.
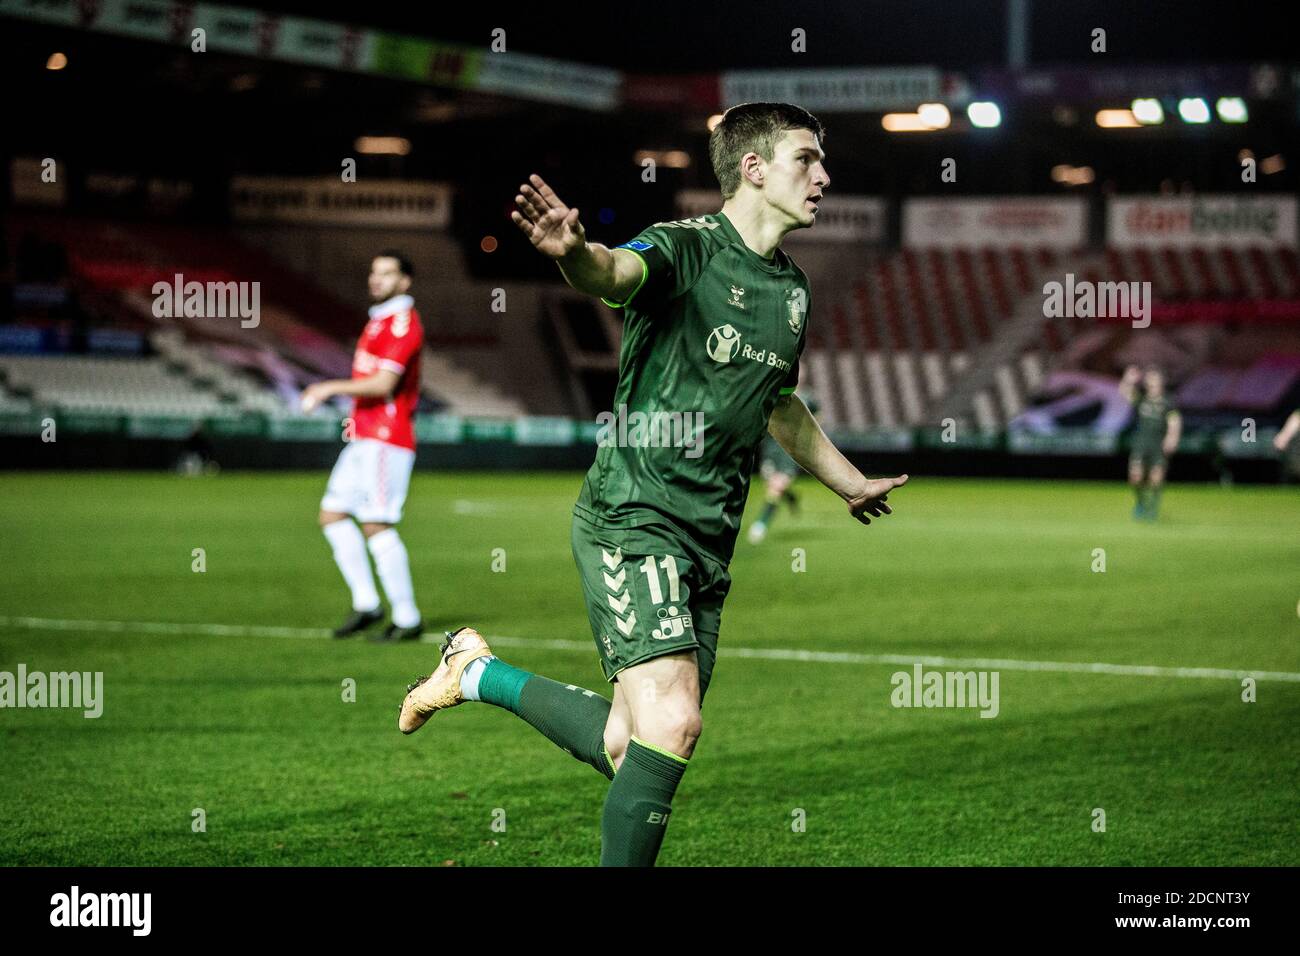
(689, 36)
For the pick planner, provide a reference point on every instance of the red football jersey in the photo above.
(392, 340)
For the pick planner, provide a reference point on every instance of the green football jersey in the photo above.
(1152, 421)
(711, 339)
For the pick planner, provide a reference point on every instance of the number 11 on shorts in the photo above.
(669, 564)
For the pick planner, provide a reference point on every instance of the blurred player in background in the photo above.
(1283, 441)
(1159, 427)
(714, 323)
(369, 482)
(779, 472)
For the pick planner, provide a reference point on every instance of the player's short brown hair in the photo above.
(753, 128)
(404, 265)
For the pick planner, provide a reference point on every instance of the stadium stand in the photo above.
(915, 326)
(109, 386)
(921, 335)
(303, 332)
(1215, 328)
(926, 334)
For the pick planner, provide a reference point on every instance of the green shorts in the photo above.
(1147, 457)
(1291, 465)
(650, 591)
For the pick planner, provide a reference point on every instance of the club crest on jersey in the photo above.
(736, 293)
(796, 301)
(723, 343)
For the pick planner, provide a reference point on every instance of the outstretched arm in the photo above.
(1173, 432)
(379, 385)
(795, 429)
(1283, 438)
(554, 230)
(1128, 384)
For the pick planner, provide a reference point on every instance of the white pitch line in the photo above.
(155, 627)
(995, 664)
(769, 654)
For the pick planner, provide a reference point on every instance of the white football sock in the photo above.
(349, 546)
(395, 573)
(471, 675)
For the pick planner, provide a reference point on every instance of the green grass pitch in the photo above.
(253, 728)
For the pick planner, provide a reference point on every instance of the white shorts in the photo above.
(369, 481)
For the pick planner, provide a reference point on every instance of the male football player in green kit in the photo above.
(1159, 428)
(715, 318)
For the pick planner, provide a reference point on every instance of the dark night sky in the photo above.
(129, 104)
(706, 35)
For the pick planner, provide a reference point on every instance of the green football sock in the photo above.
(1153, 500)
(501, 684)
(570, 717)
(769, 509)
(637, 806)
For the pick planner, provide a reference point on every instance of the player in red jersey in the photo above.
(371, 476)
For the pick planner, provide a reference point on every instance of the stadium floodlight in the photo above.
(1232, 109)
(934, 115)
(667, 158)
(1116, 119)
(1148, 112)
(1272, 164)
(1193, 109)
(905, 123)
(985, 115)
(1069, 175)
(382, 145)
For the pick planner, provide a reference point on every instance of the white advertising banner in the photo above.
(330, 45)
(544, 78)
(832, 90)
(234, 29)
(67, 13)
(327, 201)
(141, 19)
(998, 222)
(1202, 221)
